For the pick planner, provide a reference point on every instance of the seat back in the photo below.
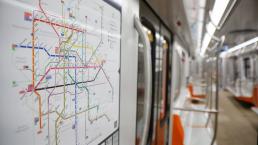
(178, 131)
(190, 89)
(255, 95)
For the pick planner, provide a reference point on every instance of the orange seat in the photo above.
(160, 134)
(190, 89)
(253, 99)
(255, 96)
(178, 131)
(137, 142)
(246, 99)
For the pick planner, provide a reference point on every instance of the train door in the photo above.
(161, 103)
(236, 81)
(247, 78)
(150, 32)
(255, 78)
(159, 40)
(230, 72)
(177, 73)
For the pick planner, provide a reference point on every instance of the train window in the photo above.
(183, 57)
(163, 102)
(235, 66)
(247, 67)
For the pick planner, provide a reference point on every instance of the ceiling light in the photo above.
(215, 15)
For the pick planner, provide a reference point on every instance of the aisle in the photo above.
(238, 124)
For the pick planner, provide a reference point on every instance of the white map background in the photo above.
(60, 62)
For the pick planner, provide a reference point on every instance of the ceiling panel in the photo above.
(242, 24)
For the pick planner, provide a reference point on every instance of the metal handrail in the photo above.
(196, 110)
(147, 78)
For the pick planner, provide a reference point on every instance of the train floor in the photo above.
(238, 124)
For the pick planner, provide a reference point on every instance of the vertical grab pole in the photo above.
(216, 101)
(147, 78)
(217, 92)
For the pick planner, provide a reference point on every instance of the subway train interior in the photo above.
(129, 72)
